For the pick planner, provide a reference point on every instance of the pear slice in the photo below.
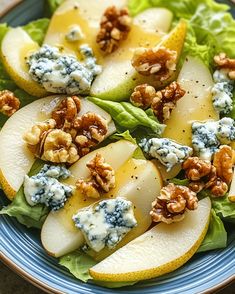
(118, 78)
(160, 250)
(59, 235)
(16, 46)
(16, 160)
(231, 193)
(195, 78)
(154, 19)
(85, 14)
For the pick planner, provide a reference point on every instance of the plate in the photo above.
(21, 249)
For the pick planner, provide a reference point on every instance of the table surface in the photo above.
(11, 283)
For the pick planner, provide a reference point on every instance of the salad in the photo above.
(117, 136)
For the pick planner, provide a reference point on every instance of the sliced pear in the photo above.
(15, 159)
(154, 19)
(86, 15)
(231, 193)
(138, 181)
(167, 175)
(59, 235)
(16, 46)
(118, 78)
(195, 78)
(160, 250)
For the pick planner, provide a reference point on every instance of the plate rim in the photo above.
(45, 287)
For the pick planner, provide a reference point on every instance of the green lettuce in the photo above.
(128, 116)
(79, 263)
(181, 182)
(37, 29)
(51, 6)
(30, 216)
(216, 236)
(224, 208)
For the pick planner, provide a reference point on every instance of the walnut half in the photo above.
(65, 113)
(102, 178)
(114, 27)
(143, 95)
(9, 104)
(172, 202)
(158, 61)
(216, 177)
(165, 101)
(222, 61)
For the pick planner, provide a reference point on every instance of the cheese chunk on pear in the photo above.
(195, 78)
(59, 235)
(119, 78)
(160, 250)
(16, 160)
(15, 48)
(85, 14)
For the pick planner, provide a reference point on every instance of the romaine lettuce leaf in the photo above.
(216, 236)
(224, 208)
(79, 263)
(127, 116)
(30, 216)
(37, 29)
(51, 6)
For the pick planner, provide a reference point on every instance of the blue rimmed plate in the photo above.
(22, 251)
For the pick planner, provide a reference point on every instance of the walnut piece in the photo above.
(114, 27)
(223, 161)
(165, 101)
(35, 137)
(196, 168)
(222, 61)
(205, 175)
(91, 129)
(143, 96)
(88, 188)
(59, 148)
(157, 61)
(173, 201)
(9, 104)
(102, 178)
(66, 112)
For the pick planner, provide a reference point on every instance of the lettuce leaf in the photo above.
(51, 6)
(181, 182)
(37, 29)
(127, 116)
(216, 236)
(30, 216)
(224, 208)
(79, 263)
(125, 135)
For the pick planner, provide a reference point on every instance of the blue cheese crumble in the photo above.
(168, 152)
(222, 92)
(45, 187)
(59, 73)
(74, 34)
(107, 223)
(208, 136)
